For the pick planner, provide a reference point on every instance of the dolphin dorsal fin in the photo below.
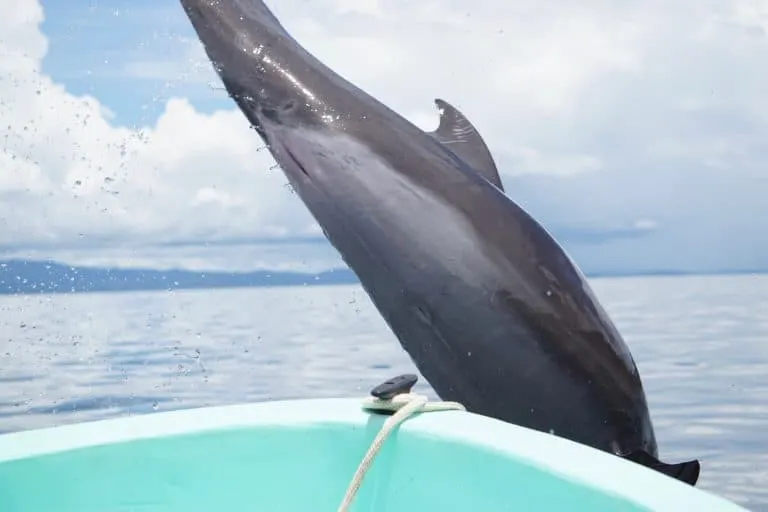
(462, 138)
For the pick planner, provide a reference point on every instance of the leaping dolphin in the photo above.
(489, 307)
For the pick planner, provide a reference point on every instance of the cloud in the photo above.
(636, 132)
(69, 173)
(604, 234)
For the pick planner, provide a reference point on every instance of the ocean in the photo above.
(701, 344)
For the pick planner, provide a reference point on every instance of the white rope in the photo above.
(405, 405)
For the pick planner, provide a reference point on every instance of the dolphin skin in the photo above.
(489, 307)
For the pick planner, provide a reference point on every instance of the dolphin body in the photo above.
(489, 307)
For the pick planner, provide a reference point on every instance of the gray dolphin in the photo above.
(489, 307)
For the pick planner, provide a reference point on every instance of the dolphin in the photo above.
(491, 310)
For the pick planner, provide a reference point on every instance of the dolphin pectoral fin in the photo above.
(462, 138)
(687, 472)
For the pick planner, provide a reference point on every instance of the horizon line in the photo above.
(604, 273)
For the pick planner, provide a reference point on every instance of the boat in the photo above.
(388, 452)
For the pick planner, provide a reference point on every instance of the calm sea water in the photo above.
(701, 344)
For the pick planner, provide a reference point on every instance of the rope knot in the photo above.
(391, 396)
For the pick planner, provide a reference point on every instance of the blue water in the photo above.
(701, 344)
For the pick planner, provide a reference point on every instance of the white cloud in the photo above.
(647, 115)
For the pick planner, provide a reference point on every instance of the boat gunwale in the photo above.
(560, 457)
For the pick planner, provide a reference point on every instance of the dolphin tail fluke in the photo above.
(687, 472)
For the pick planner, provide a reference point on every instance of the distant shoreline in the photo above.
(18, 276)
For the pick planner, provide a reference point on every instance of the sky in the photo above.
(636, 132)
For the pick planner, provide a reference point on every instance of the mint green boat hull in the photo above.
(301, 455)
